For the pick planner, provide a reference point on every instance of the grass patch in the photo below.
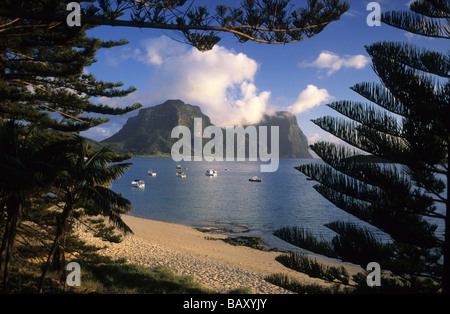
(104, 232)
(99, 274)
(241, 290)
(252, 242)
(215, 230)
(312, 268)
(134, 279)
(288, 283)
(303, 238)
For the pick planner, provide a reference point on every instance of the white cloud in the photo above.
(101, 132)
(313, 138)
(332, 62)
(309, 98)
(322, 136)
(114, 57)
(220, 81)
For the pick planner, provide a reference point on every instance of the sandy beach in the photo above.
(214, 264)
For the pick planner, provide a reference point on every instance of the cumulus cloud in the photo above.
(220, 81)
(309, 98)
(324, 137)
(313, 138)
(332, 62)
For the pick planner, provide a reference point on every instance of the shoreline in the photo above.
(216, 265)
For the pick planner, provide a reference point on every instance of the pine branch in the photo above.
(432, 8)
(417, 24)
(378, 94)
(367, 114)
(365, 138)
(272, 26)
(418, 58)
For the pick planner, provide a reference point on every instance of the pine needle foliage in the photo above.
(312, 268)
(42, 78)
(262, 21)
(405, 123)
(47, 98)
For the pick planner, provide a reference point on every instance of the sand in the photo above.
(214, 264)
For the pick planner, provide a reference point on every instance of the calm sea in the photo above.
(230, 200)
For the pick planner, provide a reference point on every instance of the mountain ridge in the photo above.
(149, 133)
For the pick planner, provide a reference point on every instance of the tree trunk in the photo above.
(446, 274)
(5, 240)
(14, 211)
(60, 232)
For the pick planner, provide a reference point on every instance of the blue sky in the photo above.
(237, 83)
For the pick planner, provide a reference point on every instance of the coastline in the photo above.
(216, 265)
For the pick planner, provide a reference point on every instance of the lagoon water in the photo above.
(230, 200)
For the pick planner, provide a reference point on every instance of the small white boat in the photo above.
(138, 183)
(254, 179)
(151, 173)
(211, 173)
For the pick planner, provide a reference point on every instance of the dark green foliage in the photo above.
(99, 274)
(341, 278)
(312, 268)
(252, 242)
(353, 244)
(45, 94)
(293, 285)
(260, 21)
(46, 172)
(128, 278)
(358, 245)
(406, 124)
(391, 285)
(305, 239)
(47, 86)
(107, 233)
(46, 98)
(423, 20)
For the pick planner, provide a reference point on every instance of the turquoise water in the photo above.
(229, 200)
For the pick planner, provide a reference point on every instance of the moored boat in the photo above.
(211, 173)
(255, 179)
(181, 174)
(138, 183)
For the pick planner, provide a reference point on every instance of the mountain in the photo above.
(149, 133)
(293, 143)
